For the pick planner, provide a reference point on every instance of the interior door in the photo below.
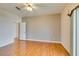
(23, 31)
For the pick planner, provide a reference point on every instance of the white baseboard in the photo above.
(6, 44)
(43, 40)
(65, 47)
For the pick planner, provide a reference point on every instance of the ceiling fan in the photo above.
(26, 6)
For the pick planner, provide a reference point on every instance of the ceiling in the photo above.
(42, 9)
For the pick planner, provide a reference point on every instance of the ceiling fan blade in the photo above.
(18, 8)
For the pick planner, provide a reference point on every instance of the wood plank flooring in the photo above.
(7, 50)
(32, 48)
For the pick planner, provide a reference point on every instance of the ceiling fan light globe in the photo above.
(29, 8)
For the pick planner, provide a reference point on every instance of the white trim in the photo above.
(6, 44)
(42, 40)
(65, 47)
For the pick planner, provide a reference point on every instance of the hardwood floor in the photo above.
(32, 48)
(7, 50)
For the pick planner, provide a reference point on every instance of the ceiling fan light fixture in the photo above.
(28, 4)
(29, 8)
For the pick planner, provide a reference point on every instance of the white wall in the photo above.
(7, 27)
(43, 27)
(65, 26)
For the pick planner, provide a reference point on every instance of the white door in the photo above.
(23, 31)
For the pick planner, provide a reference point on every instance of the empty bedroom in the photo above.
(36, 29)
